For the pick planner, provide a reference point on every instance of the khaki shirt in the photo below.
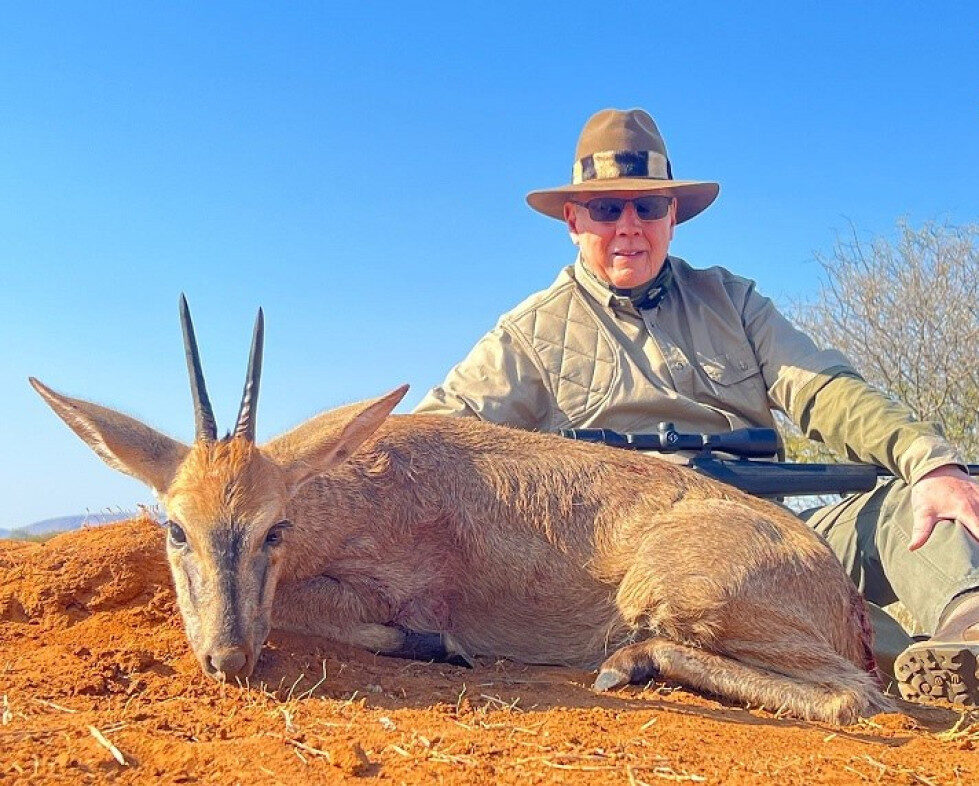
(713, 355)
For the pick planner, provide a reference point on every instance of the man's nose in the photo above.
(628, 222)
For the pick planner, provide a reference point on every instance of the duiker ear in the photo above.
(122, 442)
(331, 437)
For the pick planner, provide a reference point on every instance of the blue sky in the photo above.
(360, 173)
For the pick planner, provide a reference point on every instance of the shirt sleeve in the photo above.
(822, 394)
(498, 381)
(792, 365)
(863, 424)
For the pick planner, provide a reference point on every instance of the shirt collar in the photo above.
(630, 301)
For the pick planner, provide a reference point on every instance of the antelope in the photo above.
(415, 535)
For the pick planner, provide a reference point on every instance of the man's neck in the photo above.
(647, 295)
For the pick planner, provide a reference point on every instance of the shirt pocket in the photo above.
(734, 376)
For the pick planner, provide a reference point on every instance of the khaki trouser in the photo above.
(870, 533)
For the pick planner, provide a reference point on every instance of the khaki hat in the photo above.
(622, 150)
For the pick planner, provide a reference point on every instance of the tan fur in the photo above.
(520, 545)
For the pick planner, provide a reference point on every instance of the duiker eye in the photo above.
(177, 535)
(274, 535)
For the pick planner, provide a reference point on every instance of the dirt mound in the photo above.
(97, 683)
(77, 574)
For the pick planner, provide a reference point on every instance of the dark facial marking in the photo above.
(228, 544)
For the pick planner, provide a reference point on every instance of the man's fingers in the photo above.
(967, 515)
(945, 494)
(971, 525)
(924, 525)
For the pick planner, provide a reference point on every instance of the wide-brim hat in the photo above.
(623, 150)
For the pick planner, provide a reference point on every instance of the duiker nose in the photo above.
(226, 663)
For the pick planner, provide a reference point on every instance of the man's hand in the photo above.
(944, 494)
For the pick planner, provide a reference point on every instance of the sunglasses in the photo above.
(608, 209)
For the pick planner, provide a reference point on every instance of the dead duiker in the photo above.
(402, 533)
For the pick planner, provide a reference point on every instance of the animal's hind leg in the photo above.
(722, 676)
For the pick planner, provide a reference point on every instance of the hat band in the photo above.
(611, 164)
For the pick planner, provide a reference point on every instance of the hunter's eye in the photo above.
(274, 535)
(177, 535)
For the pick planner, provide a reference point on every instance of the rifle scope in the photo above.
(742, 442)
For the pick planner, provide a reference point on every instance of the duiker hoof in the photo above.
(608, 679)
(457, 656)
(437, 647)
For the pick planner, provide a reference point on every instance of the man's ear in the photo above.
(120, 441)
(329, 438)
(571, 219)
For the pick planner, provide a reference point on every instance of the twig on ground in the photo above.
(54, 706)
(309, 749)
(965, 728)
(100, 738)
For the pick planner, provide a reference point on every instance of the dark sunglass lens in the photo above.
(605, 209)
(652, 207)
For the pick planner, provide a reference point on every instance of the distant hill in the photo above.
(64, 523)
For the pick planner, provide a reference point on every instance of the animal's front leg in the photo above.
(330, 608)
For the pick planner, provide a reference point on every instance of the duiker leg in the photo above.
(722, 676)
(769, 618)
(325, 607)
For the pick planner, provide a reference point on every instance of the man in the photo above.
(629, 336)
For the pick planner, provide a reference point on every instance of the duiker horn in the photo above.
(245, 427)
(206, 428)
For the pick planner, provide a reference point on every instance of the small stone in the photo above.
(351, 760)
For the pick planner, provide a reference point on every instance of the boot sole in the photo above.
(933, 670)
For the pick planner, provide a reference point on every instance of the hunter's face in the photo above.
(627, 252)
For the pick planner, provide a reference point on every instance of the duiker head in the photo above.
(226, 499)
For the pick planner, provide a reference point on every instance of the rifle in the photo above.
(768, 478)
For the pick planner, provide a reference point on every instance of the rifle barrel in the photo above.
(972, 469)
(761, 478)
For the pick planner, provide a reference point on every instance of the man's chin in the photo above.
(629, 272)
(629, 279)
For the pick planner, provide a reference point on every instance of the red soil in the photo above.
(91, 644)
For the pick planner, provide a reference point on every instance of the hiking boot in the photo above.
(936, 669)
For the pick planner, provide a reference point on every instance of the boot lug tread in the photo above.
(939, 671)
